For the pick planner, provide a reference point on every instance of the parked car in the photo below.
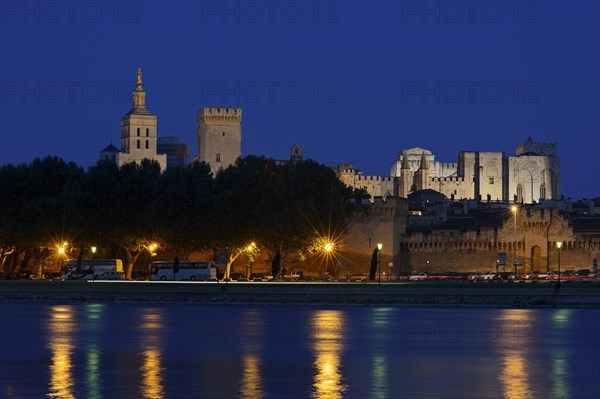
(358, 277)
(418, 277)
(294, 275)
(583, 272)
(261, 277)
(491, 276)
(546, 276)
(235, 276)
(474, 276)
(533, 275)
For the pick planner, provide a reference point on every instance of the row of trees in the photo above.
(282, 207)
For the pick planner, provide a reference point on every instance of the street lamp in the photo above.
(514, 209)
(379, 246)
(328, 247)
(249, 251)
(558, 246)
(152, 248)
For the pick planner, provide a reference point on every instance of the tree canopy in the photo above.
(280, 206)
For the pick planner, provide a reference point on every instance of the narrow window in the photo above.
(138, 132)
(147, 132)
(138, 144)
(543, 191)
(147, 145)
(491, 180)
(218, 158)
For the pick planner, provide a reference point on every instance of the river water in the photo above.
(200, 351)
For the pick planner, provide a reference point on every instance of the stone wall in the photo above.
(535, 232)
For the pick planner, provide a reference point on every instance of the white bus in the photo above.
(90, 268)
(188, 270)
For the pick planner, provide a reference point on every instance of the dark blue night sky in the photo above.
(350, 81)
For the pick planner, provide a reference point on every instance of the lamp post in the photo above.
(328, 248)
(514, 209)
(558, 246)
(379, 246)
(249, 251)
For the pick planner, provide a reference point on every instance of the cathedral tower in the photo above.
(219, 136)
(138, 131)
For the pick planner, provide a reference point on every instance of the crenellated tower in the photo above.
(219, 136)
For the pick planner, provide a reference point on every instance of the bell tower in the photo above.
(138, 131)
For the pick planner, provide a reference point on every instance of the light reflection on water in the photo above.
(151, 369)
(60, 345)
(514, 373)
(93, 313)
(251, 386)
(328, 327)
(352, 352)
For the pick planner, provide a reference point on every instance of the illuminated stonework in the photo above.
(533, 174)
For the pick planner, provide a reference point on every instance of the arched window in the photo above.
(147, 145)
(138, 132)
(147, 133)
(543, 192)
(138, 144)
(519, 193)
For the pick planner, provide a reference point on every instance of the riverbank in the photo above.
(504, 295)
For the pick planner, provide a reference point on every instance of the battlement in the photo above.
(220, 115)
(351, 172)
(549, 149)
(448, 179)
(361, 178)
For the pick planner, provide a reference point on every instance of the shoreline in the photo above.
(585, 295)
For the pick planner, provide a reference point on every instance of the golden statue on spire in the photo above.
(139, 79)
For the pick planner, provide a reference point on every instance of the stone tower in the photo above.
(296, 153)
(421, 175)
(219, 136)
(405, 177)
(138, 131)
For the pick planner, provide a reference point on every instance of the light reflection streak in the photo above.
(93, 372)
(379, 387)
(514, 375)
(560, 366)
(380, 321)
(559, 375)
(329, 330)
(151, 368)
(251, 386)
(93, 313)
(61, 376)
